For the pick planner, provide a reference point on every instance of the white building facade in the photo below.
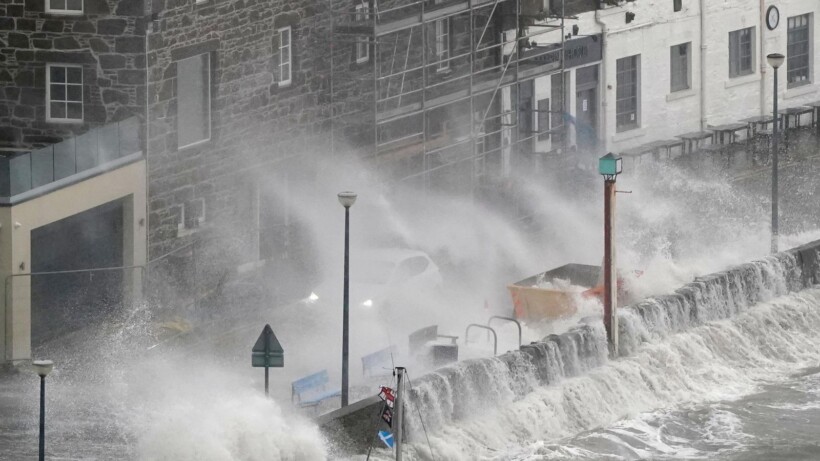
(671, 67)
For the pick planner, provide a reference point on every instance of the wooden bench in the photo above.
(310, 391)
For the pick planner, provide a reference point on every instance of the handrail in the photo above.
(508, 319)
(485, 327)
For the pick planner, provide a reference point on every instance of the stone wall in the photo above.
(255, 123)
(107, 40)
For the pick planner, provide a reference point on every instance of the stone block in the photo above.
(21, 111)
(131, 77)
(35, 5)
(53, 25)
(41, 43)
(99, 7)
(33, 96)
(99, 45)
(6, 23)
(111, 95)
(66, 43)
(130, 8)
(130, 45)
(83, 27)
(18, 40)
(9, 134)
(15, 11)
(112, 61)
(94, 114)
(26, 24)
(24, 79)
(83, 57)
(24, 56)
(111, 26)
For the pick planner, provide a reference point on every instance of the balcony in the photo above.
(28, 174)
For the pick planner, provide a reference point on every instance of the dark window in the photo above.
(193, 100)
(677, 5)
(741, 59)
(679, 67)
(626, 111)
(799, 51)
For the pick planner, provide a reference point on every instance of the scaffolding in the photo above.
(446, 80)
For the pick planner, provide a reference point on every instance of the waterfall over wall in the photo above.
(470, 387)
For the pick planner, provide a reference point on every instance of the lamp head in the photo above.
(347, 199)
(775, 59)
(610, 165)
(42, 367)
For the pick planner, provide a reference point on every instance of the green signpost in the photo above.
(267, 352)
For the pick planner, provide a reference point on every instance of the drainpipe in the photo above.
(703, 50)
(603, 82)
(762, 58)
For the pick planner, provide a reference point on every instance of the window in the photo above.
(543, 119)
(741, 59)
(64, 6)
(626, 110)
(191, 215)
(285, 56)
(798, 51)
(194, 100)
(679, 67)
(443, 44)
(64, 93)
(677, 5)
(362, 45)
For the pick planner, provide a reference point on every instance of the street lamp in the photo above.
(775, 60)
(347, 199)
(43, 368)
(610, 166)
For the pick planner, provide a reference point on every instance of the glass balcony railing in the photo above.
(25, 171)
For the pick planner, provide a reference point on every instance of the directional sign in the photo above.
(267, 352)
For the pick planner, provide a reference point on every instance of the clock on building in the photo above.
(772, 17)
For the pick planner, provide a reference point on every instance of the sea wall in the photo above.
(467, 388)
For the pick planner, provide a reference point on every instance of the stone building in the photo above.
(72, 169)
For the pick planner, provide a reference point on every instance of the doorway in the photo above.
(586, 109)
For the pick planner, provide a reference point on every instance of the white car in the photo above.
(380, 277)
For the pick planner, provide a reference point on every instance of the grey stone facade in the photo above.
(107, 40)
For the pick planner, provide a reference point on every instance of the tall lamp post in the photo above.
(610, 166)
(775, 60)
(347, 199)
(43, 368)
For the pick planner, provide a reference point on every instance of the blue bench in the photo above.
(379, 363)
(311, 390)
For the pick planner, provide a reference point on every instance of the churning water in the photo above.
(725, 368)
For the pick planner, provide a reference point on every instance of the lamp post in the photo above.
(43, 368)
(347, 199)
(775, 60)
(610, 166)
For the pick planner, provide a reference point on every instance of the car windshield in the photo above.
(374, 272)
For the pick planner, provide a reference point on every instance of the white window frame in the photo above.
(687, 67)
(362, 43)
(65, 11)
(51, 119)
(791, 55)
(182, 227)
(443, 44)
(285, 78)
(737, 53)
(210, 108)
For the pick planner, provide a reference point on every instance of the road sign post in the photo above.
(267, 352)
